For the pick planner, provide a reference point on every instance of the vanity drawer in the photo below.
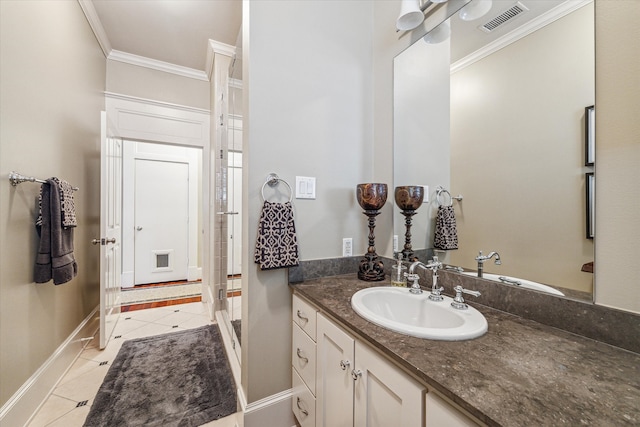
(303, 403)
(304, 315)
(303, 357)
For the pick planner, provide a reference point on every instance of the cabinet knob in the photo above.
(300, 356)
(344, 364)
(355, 374)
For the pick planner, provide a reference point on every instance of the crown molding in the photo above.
(96, 26)
(155, 64)
(217, 48)
(515, 35)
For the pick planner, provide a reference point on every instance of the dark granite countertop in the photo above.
(520, 373)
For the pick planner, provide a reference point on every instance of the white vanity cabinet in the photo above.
(303, 359)
(357, 387)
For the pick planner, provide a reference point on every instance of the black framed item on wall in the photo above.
(590, 186)
(589, 136)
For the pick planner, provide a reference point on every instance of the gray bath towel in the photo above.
(55, 258)
(277, 243)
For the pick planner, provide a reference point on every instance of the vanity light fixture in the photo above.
(438, 34)
(476, 9)
(411, 15)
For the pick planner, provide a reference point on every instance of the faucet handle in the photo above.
(458, 301)
(415, 287)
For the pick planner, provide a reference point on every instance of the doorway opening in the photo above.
(162, 225)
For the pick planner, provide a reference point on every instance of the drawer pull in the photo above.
(304, 411)
(306, 359)
(302, 316)
(355, 374)
(344, 364)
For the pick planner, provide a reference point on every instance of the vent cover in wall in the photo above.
(162, 260)
(504, 17)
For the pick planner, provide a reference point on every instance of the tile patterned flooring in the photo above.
(70, 401)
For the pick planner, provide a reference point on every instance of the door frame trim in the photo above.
(148, 120)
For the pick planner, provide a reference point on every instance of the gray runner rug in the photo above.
(176, 379)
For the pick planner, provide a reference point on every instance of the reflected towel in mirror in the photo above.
(446, 235)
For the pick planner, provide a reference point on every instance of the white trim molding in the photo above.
(147, 120)
(535, 24)
(154, 64)
(213, 48)
(96, 26)
(24, 404)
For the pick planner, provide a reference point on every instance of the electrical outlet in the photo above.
(395, 243)
(347, 246)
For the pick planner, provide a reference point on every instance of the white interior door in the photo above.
(161, 221)
(110, 228)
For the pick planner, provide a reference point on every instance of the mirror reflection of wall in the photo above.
(516, 151)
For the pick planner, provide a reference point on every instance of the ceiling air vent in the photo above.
(504, 17)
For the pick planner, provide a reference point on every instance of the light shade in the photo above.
(410, 15)
(438, 34)
(476, 9)
(438, 1)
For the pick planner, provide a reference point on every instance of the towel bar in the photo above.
(15, 178)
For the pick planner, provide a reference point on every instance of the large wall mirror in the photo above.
(499, 117)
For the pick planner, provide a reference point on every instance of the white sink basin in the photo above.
(522, 283)
(399, 310)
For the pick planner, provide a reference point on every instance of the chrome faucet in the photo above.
(434, 266)
(482, 258)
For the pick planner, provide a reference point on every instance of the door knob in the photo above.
(138, 228)
(95, 242)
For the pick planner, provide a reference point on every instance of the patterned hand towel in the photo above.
(446, 236)
(277, 244)
(68, 207)
(55, 258)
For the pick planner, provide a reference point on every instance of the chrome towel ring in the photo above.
(273, 180)
(440, 191)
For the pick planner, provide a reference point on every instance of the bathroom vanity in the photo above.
(348, 371)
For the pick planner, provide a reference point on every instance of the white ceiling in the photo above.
(172, 31)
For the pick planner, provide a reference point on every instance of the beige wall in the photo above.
(618, 154)
(52, 78)
(517, 154)
(147, 83)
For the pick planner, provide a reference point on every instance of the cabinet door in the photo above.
(384, 395)
(334, 384)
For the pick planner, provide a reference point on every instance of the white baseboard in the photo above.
(23, 405)
(127, 279)
(274, 410)
(194, 273)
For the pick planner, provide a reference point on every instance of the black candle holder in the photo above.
(371, 197)
(409, 198)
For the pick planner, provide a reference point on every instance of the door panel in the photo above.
(110, 228)
(161, 221)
